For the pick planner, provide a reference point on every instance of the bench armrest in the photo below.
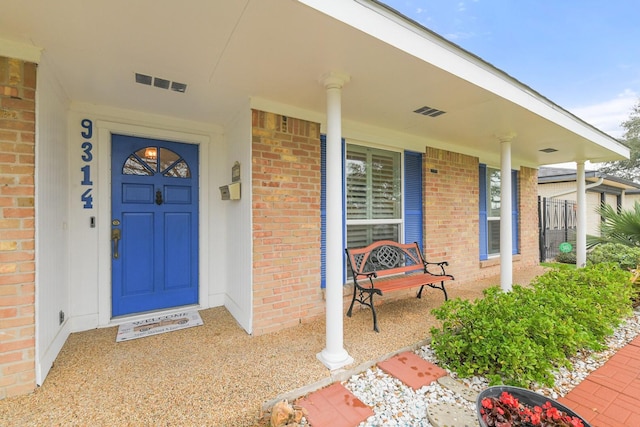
(365, 276)
(441, 264)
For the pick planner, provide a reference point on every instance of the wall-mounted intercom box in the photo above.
(230, 192)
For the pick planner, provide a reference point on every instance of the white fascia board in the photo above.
(11, 49)
(410, 37)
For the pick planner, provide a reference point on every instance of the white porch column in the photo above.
(506, 231)
(334, 356)
(581, 227)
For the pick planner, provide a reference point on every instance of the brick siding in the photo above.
(451, 211)
(529, 234)
(451, 208)
(17, 227)
(286, 221)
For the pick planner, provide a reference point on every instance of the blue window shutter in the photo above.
(514, 211)
(413, 198)
(483, 211)
(323, 211)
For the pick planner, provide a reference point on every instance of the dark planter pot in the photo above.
(524, 396)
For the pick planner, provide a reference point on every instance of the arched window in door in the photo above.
(152, 160)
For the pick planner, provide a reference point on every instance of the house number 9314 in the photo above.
(87, 156)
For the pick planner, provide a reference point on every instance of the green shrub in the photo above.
(627, 257)
(566, 257)
(519, 337)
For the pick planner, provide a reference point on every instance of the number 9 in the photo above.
(88, 125)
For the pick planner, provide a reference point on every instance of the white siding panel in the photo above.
(593, 219)
(239, 293)
(52, 204)
(629, 200)
(551, 189)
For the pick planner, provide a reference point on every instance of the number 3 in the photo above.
(86, 149)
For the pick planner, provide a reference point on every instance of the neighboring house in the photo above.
(120, 121)
(560, 184)
(631, 197)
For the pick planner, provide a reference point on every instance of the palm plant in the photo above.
(618, 227)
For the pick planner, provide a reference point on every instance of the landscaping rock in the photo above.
(284, 414)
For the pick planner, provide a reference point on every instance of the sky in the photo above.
(583, 55)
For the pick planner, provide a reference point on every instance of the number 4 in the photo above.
(87, 198)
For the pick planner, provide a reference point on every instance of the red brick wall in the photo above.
(286, 221)
(451, 211)
(17, 227)
(528, 223)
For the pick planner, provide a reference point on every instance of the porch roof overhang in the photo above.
(228, 52)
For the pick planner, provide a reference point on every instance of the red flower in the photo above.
(508, 399)
(487, 403)
(576, 422)
(535, 419)
(553, 414)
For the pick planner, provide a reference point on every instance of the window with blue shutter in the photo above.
(379, 192)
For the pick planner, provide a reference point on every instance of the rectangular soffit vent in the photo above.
(428, 111)
(160, 83)
(548, 150)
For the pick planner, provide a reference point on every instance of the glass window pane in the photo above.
(493, 192)
(373, 187)
(384, 186)
(493, 237)
(179, 170)
(167, 158)
(356, 191)
(149, 155)
(357, 236)
(363, 235)
(373, 193)
(133, 166)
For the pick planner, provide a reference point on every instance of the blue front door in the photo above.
(154, 224)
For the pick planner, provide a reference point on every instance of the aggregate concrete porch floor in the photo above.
(215, 374)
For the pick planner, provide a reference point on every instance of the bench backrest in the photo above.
(385, 257)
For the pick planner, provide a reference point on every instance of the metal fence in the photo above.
(557, 221)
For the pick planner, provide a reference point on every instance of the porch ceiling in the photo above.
(230, 51)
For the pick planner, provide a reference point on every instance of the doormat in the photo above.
(158, 325)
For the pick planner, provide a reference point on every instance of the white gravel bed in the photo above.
(397, 405)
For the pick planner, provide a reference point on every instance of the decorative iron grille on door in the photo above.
(557, 221)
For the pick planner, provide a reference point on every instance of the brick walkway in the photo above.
(610, 395)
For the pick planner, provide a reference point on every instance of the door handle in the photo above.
(115, 238)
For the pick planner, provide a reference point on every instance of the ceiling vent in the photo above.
(160, 83)
(548, 150)
(428, 111)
